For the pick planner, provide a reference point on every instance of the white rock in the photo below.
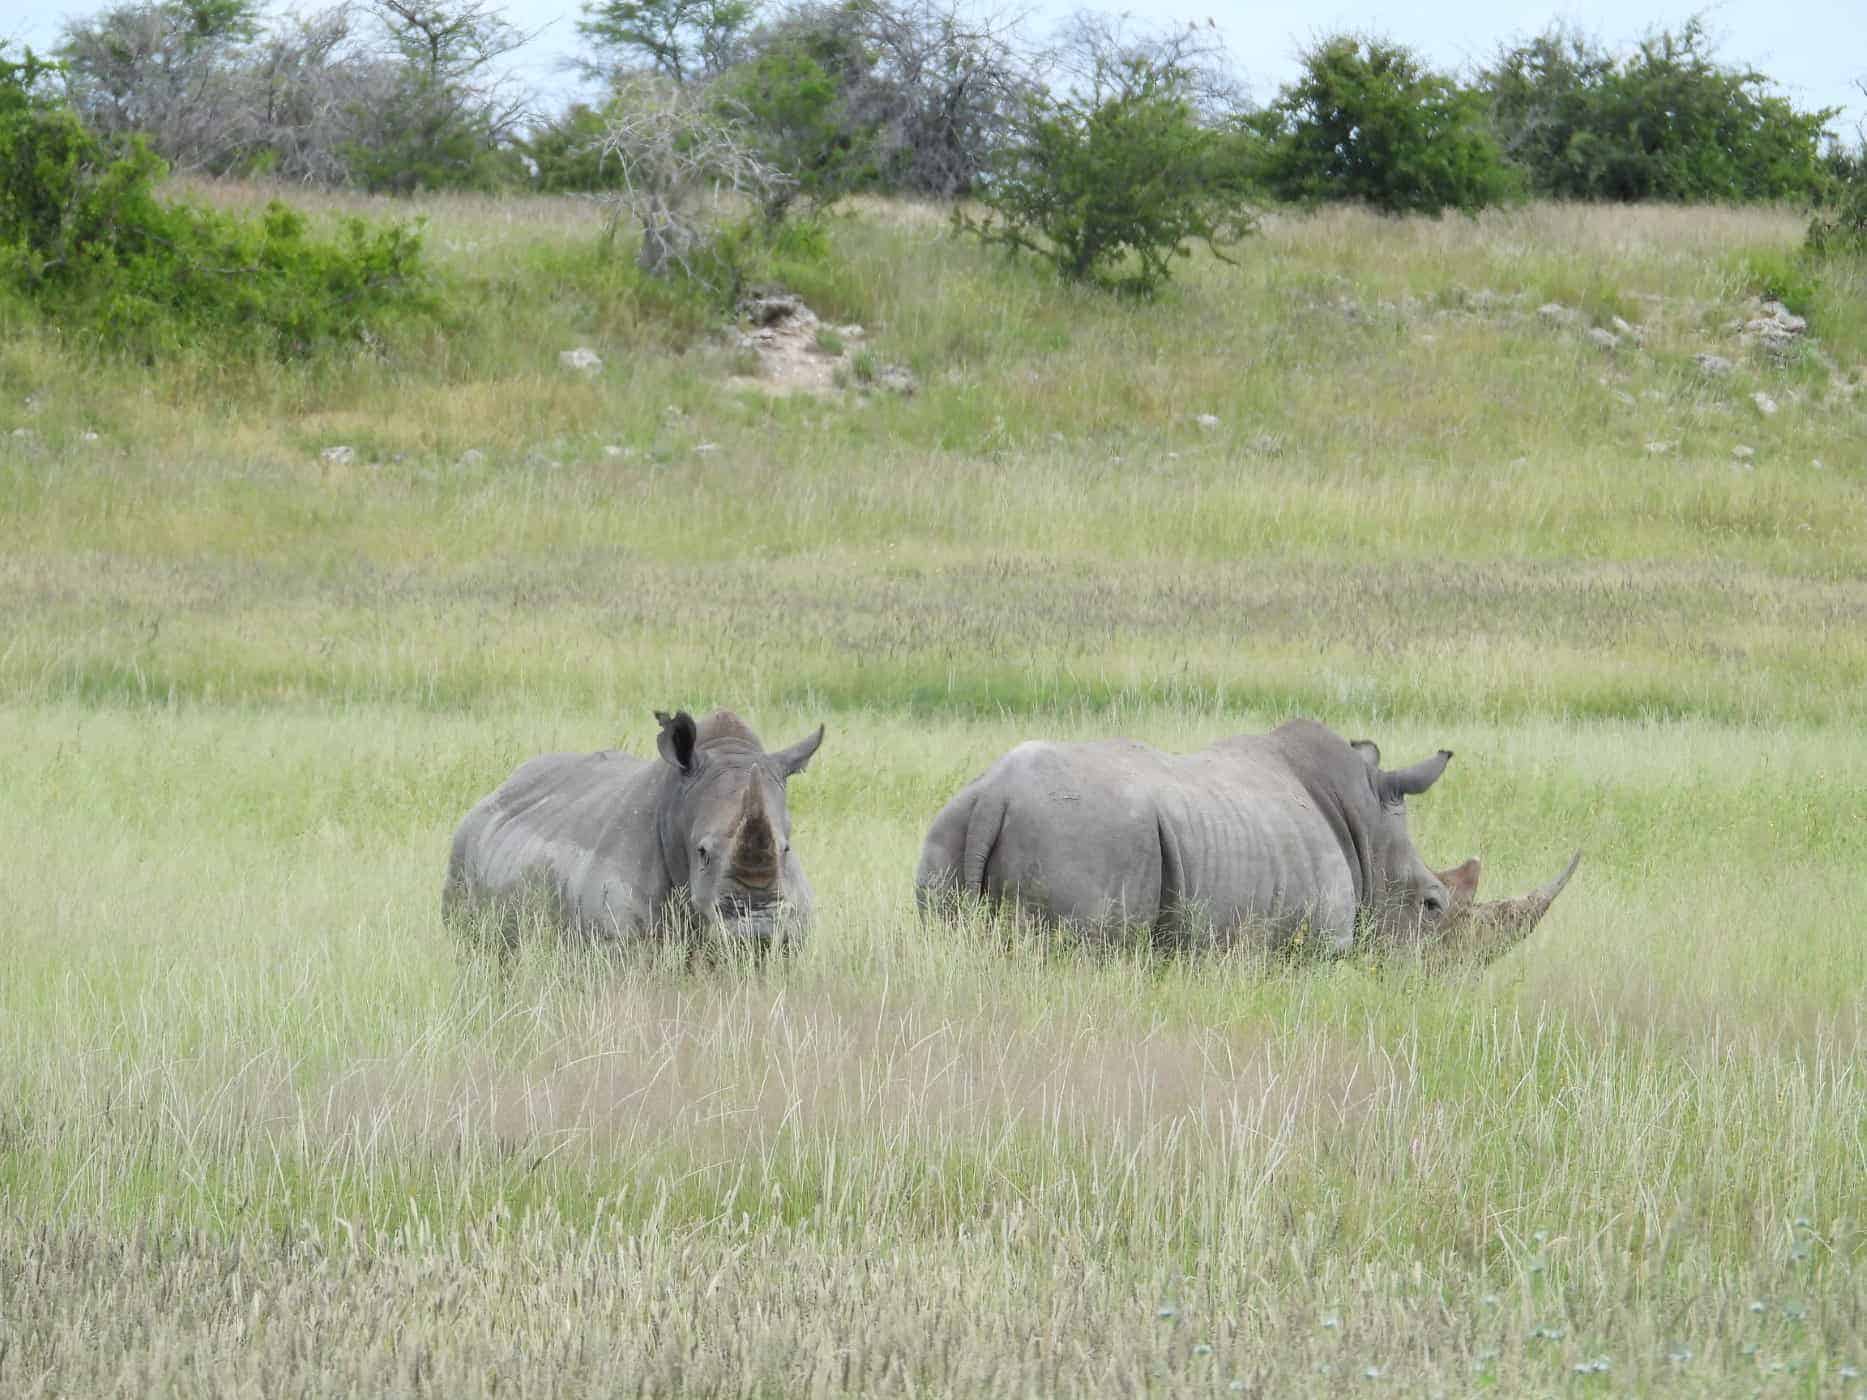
(1208, 421)
(1658, 449)
(1765, 404)
(1743, 453)
(1626, 331)
(1557, 312)
(614, 450)
(850, 332)
(1607, 340)
(897, 379)
(1785, 318)
(87, 436)
(338, 456)
(704, 449)
(1713, 364)
(582, 359)
(472, 457)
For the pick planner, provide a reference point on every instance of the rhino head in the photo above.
(725, 827)
(1438, 910)
(1480, 933)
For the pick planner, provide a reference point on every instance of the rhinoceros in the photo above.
(618, 847)
(1292, 832)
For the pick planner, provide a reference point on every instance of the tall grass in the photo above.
(264, 1128)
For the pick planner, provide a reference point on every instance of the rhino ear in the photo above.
(796, 758)
(1409, 782)
(1369, 750)
(678, 733)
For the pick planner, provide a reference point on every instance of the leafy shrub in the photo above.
(568, 151)
(1109, 190)
(794, 97)
(1839, 224)
(84, 239)
(1368, 122)
(1667, 121)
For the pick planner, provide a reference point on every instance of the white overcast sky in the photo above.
(1816, 50)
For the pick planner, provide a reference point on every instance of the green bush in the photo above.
(791, 97)
(1109, 191)
(568, 152)
(85, 240)
(1368, 122)
(1666, 122)
(1839, 224)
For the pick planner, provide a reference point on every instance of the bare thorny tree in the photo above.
(684, 160)
(217, 86)
(1097, 56)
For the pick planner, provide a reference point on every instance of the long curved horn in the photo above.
(1493, 929)
(755, 846)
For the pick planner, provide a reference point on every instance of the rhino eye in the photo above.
(706, 856)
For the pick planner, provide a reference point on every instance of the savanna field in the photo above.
(265, 1130)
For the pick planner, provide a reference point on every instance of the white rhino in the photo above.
(1263, 836)
(620, 847)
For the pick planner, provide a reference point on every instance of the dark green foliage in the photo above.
(568, 151)
(1368, 122)
(793, 96)
(1666, 122)
(1839, 225)
(85, 240)
(1110, 191)
(420, 137)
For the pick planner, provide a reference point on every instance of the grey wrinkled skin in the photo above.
(1260, 836)
(616, 847)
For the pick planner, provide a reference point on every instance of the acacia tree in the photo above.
(677, 39)
(451, 107)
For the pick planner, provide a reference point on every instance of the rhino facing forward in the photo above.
(620, 847)
(1293, 830)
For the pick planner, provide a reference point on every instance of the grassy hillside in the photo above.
(264, 1130)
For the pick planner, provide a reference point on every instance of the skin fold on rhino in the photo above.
(1276, 837)
(614, 847)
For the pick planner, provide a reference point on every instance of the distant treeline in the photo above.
(922, 97)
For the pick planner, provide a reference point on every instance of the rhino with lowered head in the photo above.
(618, 847)
(1267, 835)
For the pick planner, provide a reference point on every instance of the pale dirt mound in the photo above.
(799, 354)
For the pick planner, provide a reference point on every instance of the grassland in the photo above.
(264, 1131)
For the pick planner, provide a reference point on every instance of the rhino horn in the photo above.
(755, 844)
(1492, 929)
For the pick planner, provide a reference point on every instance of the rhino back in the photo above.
(1246, 841)
(1073, 831)
(1095, 834)
(580, 825)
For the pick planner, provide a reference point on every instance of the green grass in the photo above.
(264, 1128)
